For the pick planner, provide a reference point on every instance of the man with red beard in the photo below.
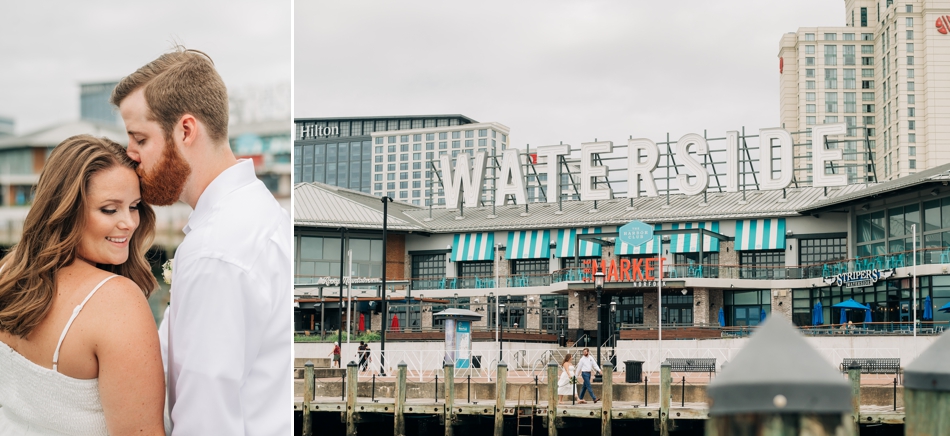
(229, 358)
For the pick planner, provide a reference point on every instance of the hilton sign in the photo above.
(467, 177)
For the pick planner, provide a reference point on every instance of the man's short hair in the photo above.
(178, 83)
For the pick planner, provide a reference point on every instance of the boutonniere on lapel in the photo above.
(167, 270)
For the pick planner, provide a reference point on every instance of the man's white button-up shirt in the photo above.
(229, 341)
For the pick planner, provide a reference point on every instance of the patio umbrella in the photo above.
(761, 316)
(817, 315)
(928, 309)
(867, 315)
(722, 318)
(851, 304)
(362, 326)
(395, 324)
(844, 317)
(945, 308)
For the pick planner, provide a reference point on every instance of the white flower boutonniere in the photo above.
(167, 270)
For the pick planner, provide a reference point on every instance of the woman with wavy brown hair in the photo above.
(79, 351)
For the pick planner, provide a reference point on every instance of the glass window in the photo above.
(831, 55)
(831, 102)
(809, 37)
(831, 78)
(809, 49)
(909, 22)
(809, 84)
(831, 36)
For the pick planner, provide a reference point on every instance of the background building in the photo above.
(885, 74)
(388, 155)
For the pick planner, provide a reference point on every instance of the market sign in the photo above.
(858, 279)
(636, 233)
(635, 272)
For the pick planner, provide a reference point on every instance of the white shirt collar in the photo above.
(231, 179)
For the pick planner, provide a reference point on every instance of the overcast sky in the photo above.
(48, 47)
(552, 70)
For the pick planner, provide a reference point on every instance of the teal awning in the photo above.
(764, 234)
(565, 243)
(473, 246)
(529, 244)
(679, 243)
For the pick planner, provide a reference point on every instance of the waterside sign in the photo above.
(466, 177)
(858, 278)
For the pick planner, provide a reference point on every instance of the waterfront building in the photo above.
(391, 155)
(748, 252)
(882, 73)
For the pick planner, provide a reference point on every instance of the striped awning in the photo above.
(529, 244)
(764, 234)
(565, 243)
(473, 246)
(679, 243)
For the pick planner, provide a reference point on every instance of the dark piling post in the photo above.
(854, 377)
(552, 398)
(307, 397)
(607, 400)
(351, 386)
(927, 391)
(399, 421)
(501, 393)
(779, 385)
(449, 368)
(666, 397)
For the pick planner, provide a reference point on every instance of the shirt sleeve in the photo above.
(212, 326)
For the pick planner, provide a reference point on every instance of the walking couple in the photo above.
(567, 383)
(79, 351)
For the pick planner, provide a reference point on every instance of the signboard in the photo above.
(634, 272)
(464, 178)
(636, 233)
(858, 279)
(463, 339)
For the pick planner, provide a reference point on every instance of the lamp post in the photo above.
(456, 300)
(421, 296)
(599, 286)
(501, 332)
(613, 330)
(382, 342)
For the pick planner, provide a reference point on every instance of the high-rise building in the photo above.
(389, 155)
(884, 75)
(94, 103)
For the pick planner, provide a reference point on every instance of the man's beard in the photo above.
(163, 185)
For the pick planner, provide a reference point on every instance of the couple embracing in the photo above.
(79, 351)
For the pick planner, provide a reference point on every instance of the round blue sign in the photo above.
(636, 233)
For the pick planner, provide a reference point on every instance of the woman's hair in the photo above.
(53, 230)
(567, 358)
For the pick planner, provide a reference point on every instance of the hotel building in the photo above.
(389, 156)
(884, 73)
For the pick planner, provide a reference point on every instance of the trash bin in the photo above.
(477, 362)
(634, 369)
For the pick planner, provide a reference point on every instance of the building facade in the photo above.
(388, 155)
(744, 255)
(882, 73)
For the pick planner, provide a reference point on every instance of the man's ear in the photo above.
(188, 126)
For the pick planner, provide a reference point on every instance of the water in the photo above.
(420, 425)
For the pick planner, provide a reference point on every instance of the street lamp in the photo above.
(501, 341)
(613, 332)
(456, 300)
(382, 344)
(599, 286)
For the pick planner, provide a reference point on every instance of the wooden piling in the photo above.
(779, 424)
(854, 376)
(399, 421)
(607, 400)
(501, 393)
(449, 415)
(666, 397)
(307, 397)
(552, 398)
(926, 412)
(351, 384)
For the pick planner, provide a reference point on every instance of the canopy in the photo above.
(817, 315)
(945, 308)
(762, 315)
(928, 309)
(851, 304)
(722, 317)
(844, 316)
(867, 316)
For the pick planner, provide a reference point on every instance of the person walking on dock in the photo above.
(585, 366)
(336, 354)
(363, 354)
(567, 383)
